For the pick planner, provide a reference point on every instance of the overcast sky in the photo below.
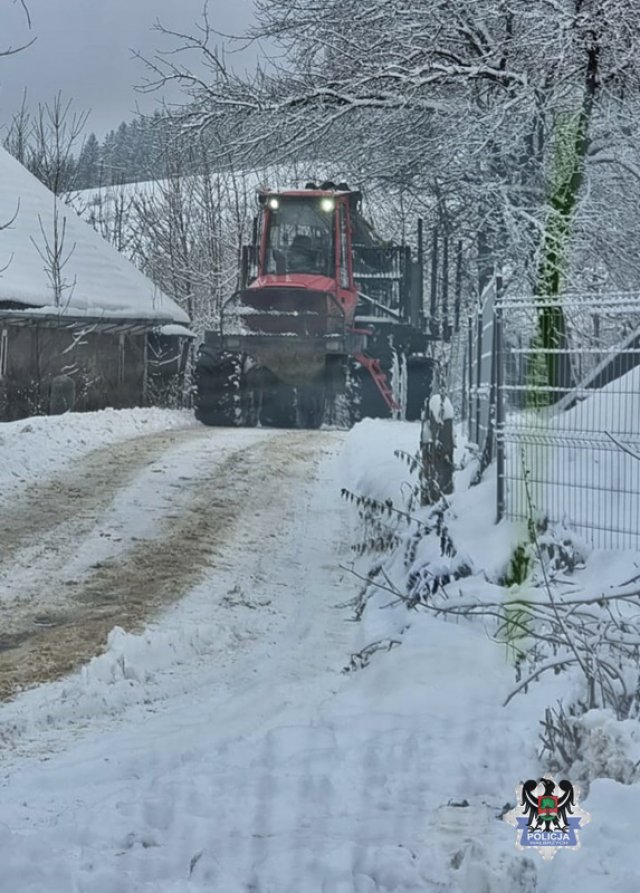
(84, 48)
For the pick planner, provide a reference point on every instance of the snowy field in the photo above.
(219, 747)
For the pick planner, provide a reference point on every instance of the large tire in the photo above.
(218, 389)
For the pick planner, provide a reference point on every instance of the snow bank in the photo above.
(614, 407)
(35, 448)
(369, 466)
(371, 469)
(609, 749)
(132, 667)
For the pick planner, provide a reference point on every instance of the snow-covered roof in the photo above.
(106, 283)
(181, 331)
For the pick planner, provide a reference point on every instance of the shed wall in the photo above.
(108, 369)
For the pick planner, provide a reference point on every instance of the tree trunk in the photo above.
(572, 142)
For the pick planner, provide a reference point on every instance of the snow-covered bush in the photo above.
(591, 745)
(551, 618)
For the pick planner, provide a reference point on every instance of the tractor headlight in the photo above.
(273, 203)
(327, 204)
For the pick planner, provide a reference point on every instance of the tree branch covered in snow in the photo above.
(547, 630)
(459, 104)
(558, 623)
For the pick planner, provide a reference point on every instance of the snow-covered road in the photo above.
(250, 525)
(218, 747)
(130, 528)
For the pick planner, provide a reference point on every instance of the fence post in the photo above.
(487, 452)
(500, 446)
(446, 327)
(463, 389)
(436, 449)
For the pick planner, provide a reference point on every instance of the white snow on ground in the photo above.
(370, 466)
(224, 750)
(31, 449)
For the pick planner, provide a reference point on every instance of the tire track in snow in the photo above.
(40, 533)
(79, 494)
(135, 585)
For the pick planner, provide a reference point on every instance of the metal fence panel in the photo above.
(573, 455)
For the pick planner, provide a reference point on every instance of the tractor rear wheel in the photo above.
(368, 402)
(217, 381)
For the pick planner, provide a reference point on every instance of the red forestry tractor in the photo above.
(328, 325)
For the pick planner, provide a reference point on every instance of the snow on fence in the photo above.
(570, 453)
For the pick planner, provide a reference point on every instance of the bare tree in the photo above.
(57, 130)
(55, 255)
(7, 225)
(17, 140)
(111, 211)
(190, 228)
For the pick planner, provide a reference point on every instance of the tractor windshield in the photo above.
(300, 236)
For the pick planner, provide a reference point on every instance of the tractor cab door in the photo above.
(250, 263)
(346, 291)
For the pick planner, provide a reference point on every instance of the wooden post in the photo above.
(470, 378)
(418, 322)
(436, 448)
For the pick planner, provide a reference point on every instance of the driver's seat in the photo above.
(301, 255)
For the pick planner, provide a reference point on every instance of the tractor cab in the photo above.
(318, 239)
(297, 274)
(300, 235)
(303, 240)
